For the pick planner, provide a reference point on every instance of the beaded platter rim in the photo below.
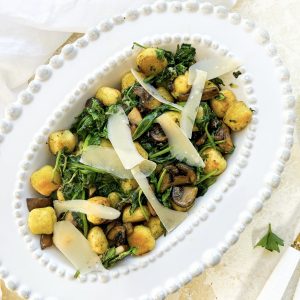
(211, 256)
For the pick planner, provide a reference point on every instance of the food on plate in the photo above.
(108, 96)
(62, 139)
(221, 103)
(42, 220)
(237, 116)
(45, 180)
(136, 159)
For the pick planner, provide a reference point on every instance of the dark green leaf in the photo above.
(237, 74)
(218, 82)
(110, 258)
(270, 241)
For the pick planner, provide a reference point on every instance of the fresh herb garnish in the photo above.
(138, 45)
(218, 82)
(110, 257)
(76, 275)
(219, 97)
(160, 53)
(178, 64)
(237, 74)
(90, 122)
(270, 241)
(148, 120)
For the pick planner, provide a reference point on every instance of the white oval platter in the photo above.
(58, 93)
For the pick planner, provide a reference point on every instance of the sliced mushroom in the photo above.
(184, 196)
(146, 100)
(180, 174)
(117, 235)
(210, 91)
(223, 134)
(46, 241)
(201, 140)
(33, 203)
(128, 228)
(172, 169)
(157, 134)
(166, 182)
(188, 171)
(180, 180)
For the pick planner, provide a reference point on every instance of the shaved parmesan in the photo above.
(170, 218)
(75, 247)
(181, 146)
(86, 207)
(152, 90)
(190, 109)
(120, 136)
(214, 66)
(104, 158)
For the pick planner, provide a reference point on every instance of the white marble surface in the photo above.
(244, 270)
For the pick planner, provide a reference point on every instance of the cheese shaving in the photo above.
(170, 218)
(153, 91)
(181, 146)
(190, 109)
(214, 66)
(86, 207)
(104, 158)
(73, 245)
(120, 136)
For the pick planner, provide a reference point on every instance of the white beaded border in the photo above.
(200, 215)
(212, 256)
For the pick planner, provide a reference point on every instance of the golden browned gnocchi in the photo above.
(150, 61)
(214, 161)
(45, 180)
(128, 185)
(155, 227)
(98, 200)
(181, 87)
(97, 240)
(42, 220)
(142, 239)
(140, 214)
(62, 140)
(238, 116)
(220, 105)
(108, 96)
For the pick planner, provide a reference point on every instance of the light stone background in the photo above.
(244, 270)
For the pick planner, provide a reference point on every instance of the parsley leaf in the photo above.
(270, 241)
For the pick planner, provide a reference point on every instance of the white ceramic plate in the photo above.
(58, 93)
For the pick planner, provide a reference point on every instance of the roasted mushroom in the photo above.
(223, 134)
(33, 203)
(180, 174)
(166, 181)
(183, 196)
(129, 228)
(188, 171)
(146, 100)
(201, 140)
(46, 241)
(157, 134)
(117, 235)
(210, 91)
